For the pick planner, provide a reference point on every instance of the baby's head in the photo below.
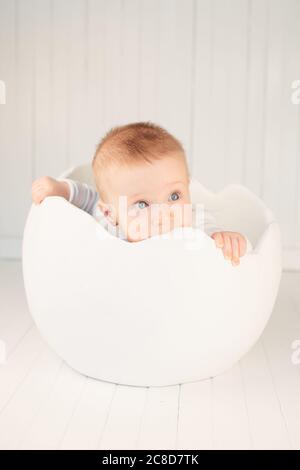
(141, 175)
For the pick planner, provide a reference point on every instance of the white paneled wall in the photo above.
(216, 73)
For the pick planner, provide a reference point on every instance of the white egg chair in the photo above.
(166, 310)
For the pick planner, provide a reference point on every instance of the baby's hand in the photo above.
(233, 244)
(46, 186)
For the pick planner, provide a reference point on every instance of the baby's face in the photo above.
(148, 199)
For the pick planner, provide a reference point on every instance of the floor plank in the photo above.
(15, 319)
(267, 424)
(195, 429)
(88, 421)
(282, 330)
(48, 428)
(230, 415)
(18, 415)
(124, 420)
(159, 424)
(18, 365)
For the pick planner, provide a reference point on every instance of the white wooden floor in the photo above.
(44, 404)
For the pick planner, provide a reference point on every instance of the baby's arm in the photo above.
(46, 186)
(79, 194)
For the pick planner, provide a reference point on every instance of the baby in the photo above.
(142, 180)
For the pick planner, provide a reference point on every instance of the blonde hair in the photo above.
(134, 143)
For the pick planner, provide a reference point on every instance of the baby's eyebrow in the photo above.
(175, 182)
(133, 196)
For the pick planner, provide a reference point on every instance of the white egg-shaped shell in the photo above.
(167, 310)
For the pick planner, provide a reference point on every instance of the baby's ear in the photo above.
(108, 211)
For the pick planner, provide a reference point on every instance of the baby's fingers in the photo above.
(227, 249)
(242, 245)
(218, 237)
(235, 251)
(38, 196)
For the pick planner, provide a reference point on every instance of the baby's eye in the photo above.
(174, 196)
(141, 204)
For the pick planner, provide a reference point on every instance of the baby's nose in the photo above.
(163, 214)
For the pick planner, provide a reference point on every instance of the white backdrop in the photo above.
(216, 73)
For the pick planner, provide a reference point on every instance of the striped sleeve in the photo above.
(82, 195)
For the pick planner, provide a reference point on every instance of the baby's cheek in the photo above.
(187, 216)
(136, 229)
